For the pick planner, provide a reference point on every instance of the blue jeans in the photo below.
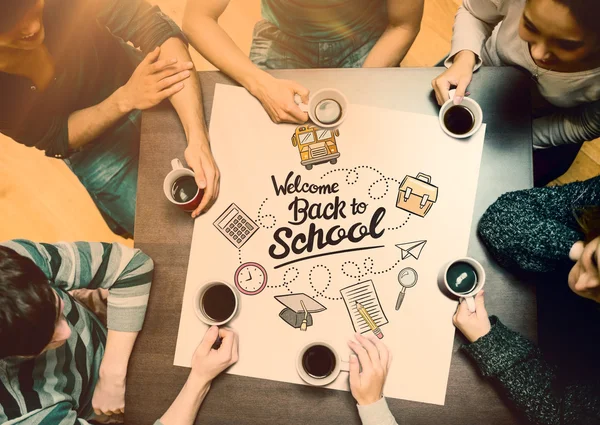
(108, 169)
(273, 49)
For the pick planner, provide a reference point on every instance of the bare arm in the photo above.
(404, 25)
(207, 363)
(109, 394)
(200, 23)
(188, 104)
(152, 81)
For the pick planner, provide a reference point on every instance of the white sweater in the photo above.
(489, 28)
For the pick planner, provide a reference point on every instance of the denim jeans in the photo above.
(108, 169)
(273, 49)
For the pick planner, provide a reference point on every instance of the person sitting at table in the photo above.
(537, 230)
(58, 364)
(309, 34)
(72, 87)
(62, 366)
(557, 42)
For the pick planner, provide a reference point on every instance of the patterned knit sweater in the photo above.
(56, 387)
(534, 230)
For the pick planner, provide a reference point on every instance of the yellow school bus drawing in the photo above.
(316, 145)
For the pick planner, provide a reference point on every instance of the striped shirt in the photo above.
(56, 387)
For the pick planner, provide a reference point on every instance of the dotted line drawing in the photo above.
(285, 283)
(260, 217)
(390, 268)
(333, 171)
(387, 189)
(360, 275)
(321, 293)
(240, 256)
(397, 227)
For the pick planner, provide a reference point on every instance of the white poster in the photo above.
(314, 225)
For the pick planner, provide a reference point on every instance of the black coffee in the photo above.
(218, 302)
(184, 189)
(318, 361)
(461, 277)
(459, 119)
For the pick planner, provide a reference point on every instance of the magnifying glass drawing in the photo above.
(408, 278)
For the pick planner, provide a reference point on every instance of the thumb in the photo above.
(302, 91)
(461, 89)
(153, 55)
(354, 371)
(210, 337)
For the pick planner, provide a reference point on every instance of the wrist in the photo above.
(113, 374)
(198, 384)
(368, 400)
(122, 101)
(256, 82)
(465, 58)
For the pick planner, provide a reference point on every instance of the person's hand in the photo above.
(277, 97)
(584, 277)
(459, 75)
(153, 81)
(472, 325)
(207, 363)
(109, 395)
(375, 360)
(198, 156)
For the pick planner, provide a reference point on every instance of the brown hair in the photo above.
(27, 306)
(588, 219)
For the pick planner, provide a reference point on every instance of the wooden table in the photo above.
(166, 234)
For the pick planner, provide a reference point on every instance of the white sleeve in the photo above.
(377, 413)
(574, 125)
(473, 25)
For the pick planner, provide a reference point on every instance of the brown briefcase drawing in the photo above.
(416, 194)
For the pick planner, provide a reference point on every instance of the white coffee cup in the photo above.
(199, 307)
(468, 103)
(340, 366)
(469, 296)
(178, 171)
(323, 102)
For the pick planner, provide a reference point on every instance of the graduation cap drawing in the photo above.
(298, 309)
(411, 249)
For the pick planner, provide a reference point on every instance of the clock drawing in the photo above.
(250, 278)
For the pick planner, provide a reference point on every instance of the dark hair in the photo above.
(27, 306)
(589, 221)
(13, 10)
(585, 12)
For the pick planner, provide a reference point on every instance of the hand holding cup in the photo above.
(474, 324)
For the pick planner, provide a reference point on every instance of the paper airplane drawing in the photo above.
(411, 249)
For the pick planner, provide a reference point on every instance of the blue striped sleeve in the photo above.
(125, 272)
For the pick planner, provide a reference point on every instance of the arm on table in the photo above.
(127, 274)
(535, 229)
(574, 125)
(531, 383)
(200, 23)
(473, 25)
(369, 367)
(404, 26)
(188, 104)
(207, 363)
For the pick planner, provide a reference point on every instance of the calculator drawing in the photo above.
(236, 226)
